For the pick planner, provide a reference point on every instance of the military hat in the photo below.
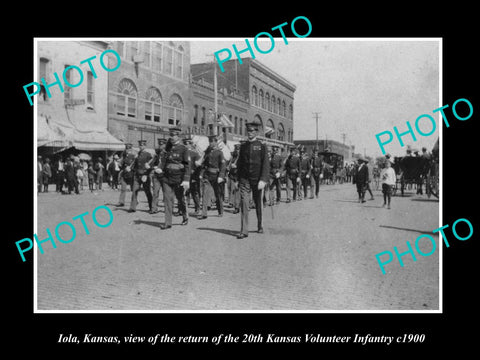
(176, 129)
(275, 146)
(253, 123)
(187, 141)
(161, 141)
(142, 142)
(128, 145)
(236, 146)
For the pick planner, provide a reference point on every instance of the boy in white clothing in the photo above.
(389, 180)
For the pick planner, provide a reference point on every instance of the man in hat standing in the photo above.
(361, 179)
(196, 160)
(177, 177)
(213, 176)
(276, 164)
(305, 172)
(234, 194)
(253, 171)
(157, 173)
(141, 179)
(292, 167)
(126, 174)
(317, 168)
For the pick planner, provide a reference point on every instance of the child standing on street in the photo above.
(389, 179)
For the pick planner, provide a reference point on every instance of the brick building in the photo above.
(251, 91)
(150, 92)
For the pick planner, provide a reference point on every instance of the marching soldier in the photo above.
(213, 177)
(126, 174)
(141, 166)
(253, 172)
(276, 163)
(234, 195)
(177, 177)
(292, 169)
(305, 172)
(157, 173)
(317, 167)
(196, 160)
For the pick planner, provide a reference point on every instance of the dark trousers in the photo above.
(195, 192)
(246, 187)
(72, 185)
(212, 187)
(292, 182)
(156, 185)
(305, 183)
(170, 192)
(123, 187)
(137, 185)
(361, 188)
(316, 180)
(275, 183)
(60, 179)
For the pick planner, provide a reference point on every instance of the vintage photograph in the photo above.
(212, 175)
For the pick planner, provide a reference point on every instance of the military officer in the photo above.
(157, 173)
(177, 177)
(141, 179)
(305, 172)
(126, 174)
(253, 171)
(196, 159)
(213, 176)
(292, 169)
(317, 167)
(276, 165)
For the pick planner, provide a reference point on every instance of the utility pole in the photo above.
(316, 127)
(215, 109)
(343, 150)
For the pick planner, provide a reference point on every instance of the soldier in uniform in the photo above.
(141, 168)
(305, 172)
(234, 195)
(177, 177)
(317, 168)
(213, 177)
(292, 169)
(125, 175)
(253, 172)
(276, 164)
(157, 173)
(195, 165)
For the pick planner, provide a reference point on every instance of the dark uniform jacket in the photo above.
(305, 165)
(158, 161)
(139, 164)
(214, 163)
(317, 166)
(177, 164)
(253, 164)
(195, 170)
(276, 165)
(292, 165)
(232, 167)
(128, 157)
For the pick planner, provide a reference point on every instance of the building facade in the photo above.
(331, 146)
(265, 95)
(77, 117)
(150, 92)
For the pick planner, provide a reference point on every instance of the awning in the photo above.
(50, 135)
(94, 140)
(225, 122)
(201, 142)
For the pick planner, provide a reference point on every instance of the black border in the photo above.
(452, 329)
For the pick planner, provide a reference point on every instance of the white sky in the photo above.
(359, 87)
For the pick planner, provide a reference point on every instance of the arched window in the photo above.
(240, 129)
(281, 132)
(127, 98)
(274, 104)
(236, 126)
(290, 112)
(279, 107)
(254, 96)
(195, 114)
(175, 110)
(270, 129)
(204, 114)
(284, 109)
(153, 105)
(259, 119)
(267, 101)
(262, 99)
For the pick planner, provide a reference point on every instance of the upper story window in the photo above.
(153, 105)
(127, 98)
